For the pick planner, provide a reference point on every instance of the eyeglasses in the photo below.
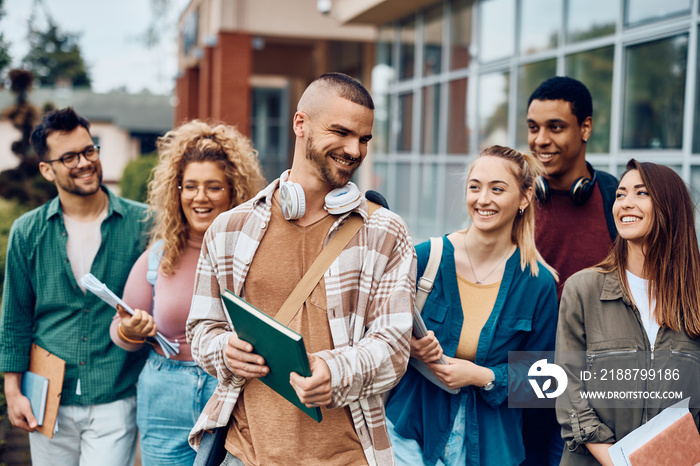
(212, 192)
(72, 159)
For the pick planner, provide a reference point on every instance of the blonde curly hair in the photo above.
(196, 141)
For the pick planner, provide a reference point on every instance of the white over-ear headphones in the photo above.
(338, 201)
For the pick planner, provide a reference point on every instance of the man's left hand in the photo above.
(313, 391)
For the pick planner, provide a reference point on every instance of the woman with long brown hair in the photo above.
(638, 309)
(203, 170)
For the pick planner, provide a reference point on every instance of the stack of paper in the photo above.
(91, 283)
(670, 437)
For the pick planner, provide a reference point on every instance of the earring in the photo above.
(521, 211)
(584, 140)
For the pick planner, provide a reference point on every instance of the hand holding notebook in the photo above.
(92, 284)
(281, 347)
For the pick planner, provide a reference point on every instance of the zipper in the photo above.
(685, 355)
(592, 357)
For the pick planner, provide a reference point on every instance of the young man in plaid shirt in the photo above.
(356, 323)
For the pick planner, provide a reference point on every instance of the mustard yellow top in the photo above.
(477, 304)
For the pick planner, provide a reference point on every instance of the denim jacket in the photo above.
(523, 319)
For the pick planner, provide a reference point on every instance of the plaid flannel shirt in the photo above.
(370, 289)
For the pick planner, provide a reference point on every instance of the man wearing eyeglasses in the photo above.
(84, 229)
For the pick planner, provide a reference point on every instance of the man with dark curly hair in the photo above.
(574, 227)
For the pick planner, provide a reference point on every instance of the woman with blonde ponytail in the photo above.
(493, 293)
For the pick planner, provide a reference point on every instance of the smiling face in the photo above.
(82, 180)
(633, 209)
(336, 139)
(205, 178)
(493, 195)
(557, 140)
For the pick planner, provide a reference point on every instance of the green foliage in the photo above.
(137, 173)
(4, 46)
(55, 55)
(26, 185)
(9, 211)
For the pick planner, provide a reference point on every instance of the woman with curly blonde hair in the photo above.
(202, 171)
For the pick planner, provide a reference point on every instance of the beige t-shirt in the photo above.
(265, 428)
(477, 304)
(84, 240)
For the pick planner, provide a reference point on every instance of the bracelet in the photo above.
(120, 332)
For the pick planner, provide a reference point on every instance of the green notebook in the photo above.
(282, 348)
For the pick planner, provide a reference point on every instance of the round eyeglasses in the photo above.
(72, 159)
(212, 192)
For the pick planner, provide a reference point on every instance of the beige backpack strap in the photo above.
(324, 260)
(425, 283)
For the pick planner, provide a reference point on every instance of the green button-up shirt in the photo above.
(42, 302)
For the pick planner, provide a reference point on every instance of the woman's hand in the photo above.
(426, 349)
(138, 326)
(461, 372)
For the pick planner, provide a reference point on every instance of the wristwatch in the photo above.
(491, 384)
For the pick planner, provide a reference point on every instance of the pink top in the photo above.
(172, 299)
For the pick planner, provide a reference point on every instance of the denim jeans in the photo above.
(408, 452)
(231, 460)
(170, 397)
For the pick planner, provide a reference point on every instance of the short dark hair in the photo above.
(568, 89)
(64, 120)
(348, 88)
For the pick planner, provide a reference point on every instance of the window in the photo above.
(431, 119)
(461, 34)
(595, 69)
(493, 109)
(540, 24)
(405, 122)
(269, 130)
(591, 19)
(529, 77)
(407, 48)
(654, 94)
(497, 37)
(644, 11)
(458, 131)
(432, 42)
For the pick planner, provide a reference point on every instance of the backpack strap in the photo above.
(321, 264)
(426, 282)
(155, 254)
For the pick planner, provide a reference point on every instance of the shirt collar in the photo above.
(612, 289)
(54, 205)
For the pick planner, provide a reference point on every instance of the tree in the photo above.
(54, 56)
(24, 183)
(4, 46)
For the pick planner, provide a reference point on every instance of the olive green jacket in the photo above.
(600, 331)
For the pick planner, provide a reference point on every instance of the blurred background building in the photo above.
(449, 77)
(124, 125)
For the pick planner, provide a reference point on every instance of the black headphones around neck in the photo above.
(580, 192)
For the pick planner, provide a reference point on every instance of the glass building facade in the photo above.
(455, 77)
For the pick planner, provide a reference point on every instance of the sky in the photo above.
(109, 41)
